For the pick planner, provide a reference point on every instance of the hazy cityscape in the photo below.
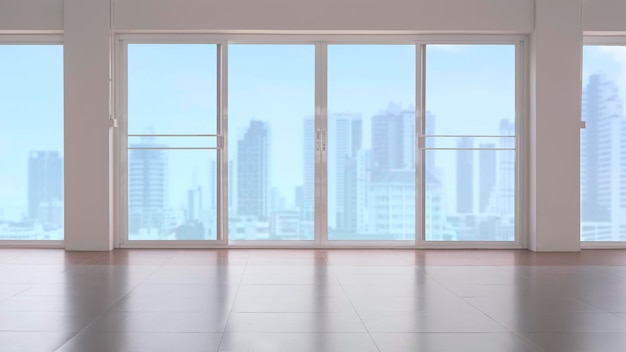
(371, 191)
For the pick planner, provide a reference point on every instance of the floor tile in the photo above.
(294, 322)
(44, 321)
(143, 342)
(577, 342)
(28, 341)
(160, 322)
(253, 291)
(444, 342)
(292, 304)
(312, 300)
(199, 304)
(419, 304)
(429, 322)
(312, 342)
(565, 321)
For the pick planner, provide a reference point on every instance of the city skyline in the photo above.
(491, 193)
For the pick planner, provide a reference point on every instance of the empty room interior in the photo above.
(312, 176)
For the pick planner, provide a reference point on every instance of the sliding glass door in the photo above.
(470, 142)
(371, 142)
(603, 143)
(173, 142)
(271, 93)
(31, 140)
(281, 141)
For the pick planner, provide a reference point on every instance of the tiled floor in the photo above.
(312, 300)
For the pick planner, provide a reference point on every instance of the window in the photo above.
(172, 142)
(603, 148)
(319, 140)
(470, 142)
(31, 142)
(371, 141)
(271, 148)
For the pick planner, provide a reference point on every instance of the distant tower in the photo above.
(465, 176)
(506, 166)
(253, 171)
(344, 140)
(393, 140)
(487, 178)
(45, 187)
(147, 187)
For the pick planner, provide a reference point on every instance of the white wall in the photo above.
(437, 15)
(604, 15)
(555, 114)
(556, 27)
(33, 15)
(87, 135)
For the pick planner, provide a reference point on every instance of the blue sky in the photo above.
(31, 115)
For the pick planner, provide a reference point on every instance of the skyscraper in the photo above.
(344, 140)
(45, 187)
(465, 176)
(253, 171)
(506, 166)
(393, 140)
(147, 188)
(392, 184)
(487, 177)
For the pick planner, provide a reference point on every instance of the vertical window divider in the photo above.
(321, 126)
(521, 153)
(121, 109)
(222, 154)
(420, 153)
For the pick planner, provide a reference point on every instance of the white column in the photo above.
(555, 114)
(88, 212)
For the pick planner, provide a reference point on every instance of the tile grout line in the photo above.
(110, 306)
(354, 308)
(232, 307)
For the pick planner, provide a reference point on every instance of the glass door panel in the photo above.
(172, 142)
(470, 143)
(271, 142)
(603, 145)
(371, 142)
(31, 142)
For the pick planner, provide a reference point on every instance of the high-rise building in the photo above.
(147, 189)
(487, 177)
(465, 176)
(194, 204)
(506, 166)
(253, 171)
(393, 140)
(392, 195)
(45, 187)
(603, 147)
(345, 133)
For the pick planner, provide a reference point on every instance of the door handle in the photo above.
(318, 139)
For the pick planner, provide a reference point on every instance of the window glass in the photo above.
(603, 144)
(31, 142)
